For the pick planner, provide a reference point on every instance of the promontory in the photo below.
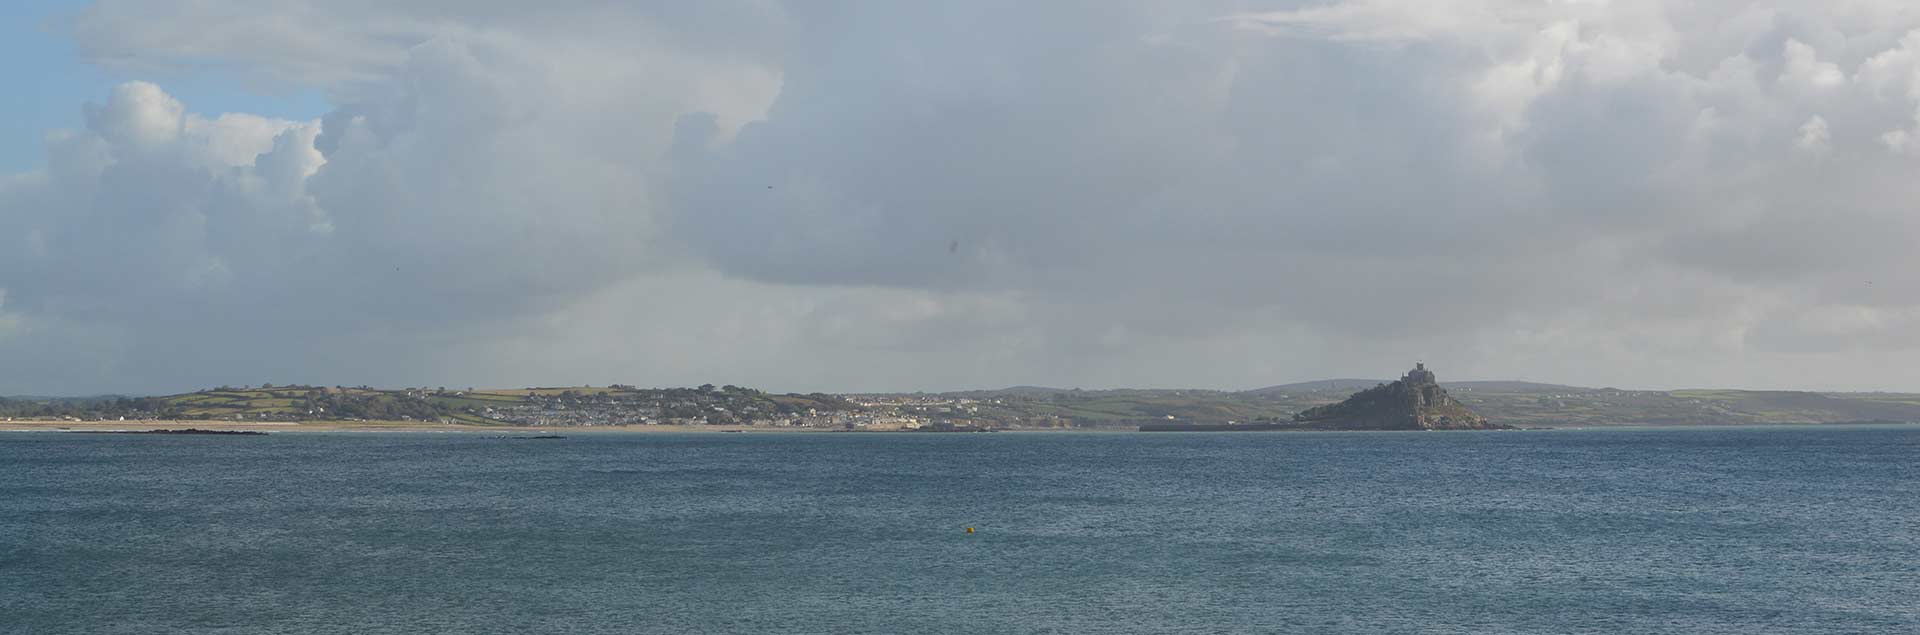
(1414, 402)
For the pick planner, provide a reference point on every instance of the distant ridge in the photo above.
(1335, 385)
(1010, 392)
(1030, 390)
(1515, 386)
(1320, 385)
(108, 397)
(1044, 391)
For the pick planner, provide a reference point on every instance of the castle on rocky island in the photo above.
(1414, 402)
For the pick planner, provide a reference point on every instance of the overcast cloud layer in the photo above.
(874, 196)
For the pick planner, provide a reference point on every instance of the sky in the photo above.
(886, 196)
(47, 80)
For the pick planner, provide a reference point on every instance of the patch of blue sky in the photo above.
(44, 82)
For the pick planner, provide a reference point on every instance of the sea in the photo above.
(1721, 530)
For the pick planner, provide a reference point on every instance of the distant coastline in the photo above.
(358, 426)
(724, 408)
(20, 426)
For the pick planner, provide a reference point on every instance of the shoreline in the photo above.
(297, 427)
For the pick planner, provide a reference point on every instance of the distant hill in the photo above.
(1513, 386)
(1022, 391)
(30, 405)
(47, 399)
(1363, 384)
(1600, 407)
(1320, 385)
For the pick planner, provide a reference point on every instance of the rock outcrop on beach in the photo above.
(1414, 402)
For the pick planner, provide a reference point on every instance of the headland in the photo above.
(1414, 402)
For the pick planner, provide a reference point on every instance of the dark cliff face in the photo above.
(1415, 402)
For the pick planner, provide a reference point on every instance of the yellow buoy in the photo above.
(969, 530)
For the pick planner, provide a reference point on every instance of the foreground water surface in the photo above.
(1752, 530)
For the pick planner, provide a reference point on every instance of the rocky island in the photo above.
(1414, 402)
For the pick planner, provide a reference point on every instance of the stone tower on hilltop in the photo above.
(1415, 402)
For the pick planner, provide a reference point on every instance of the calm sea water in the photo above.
(1751, 530)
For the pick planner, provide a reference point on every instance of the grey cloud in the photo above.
(1352, 184)
(1220, 171)
(886, 196)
